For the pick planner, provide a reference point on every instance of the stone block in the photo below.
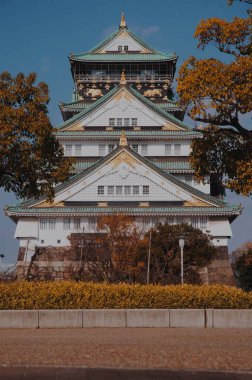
(209, 318)
(147, 318)
(60, 318)
(104, 318)
(187, 318)
(19, 319)
(232, 318)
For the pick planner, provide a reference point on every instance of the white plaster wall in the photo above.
(219, 229)
(123, 39)
(154, 149)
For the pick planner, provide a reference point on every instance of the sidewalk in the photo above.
(119, 348)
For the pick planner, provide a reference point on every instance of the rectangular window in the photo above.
(110, 190)
(146, 190)
(68, 150)
(144, 149)
(126, 122)
(179, 220)
(66, 223)
(43, 224)
(126, 48)
(170, 220)
(202, 222)
(146, 222)
(135, 190)
(135, 147)
(195, 222)
(111, 147)
(100, 190)
(91, 223)
(76, 223)
(134, 121)
(127, 190)
(52, 223)
(177, 149)
(119, 48)
(119, 122)
(167, 149)
(118, 190)
(111, 122)
(102, 150)
(78, 150)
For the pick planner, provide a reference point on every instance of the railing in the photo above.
(117, 78)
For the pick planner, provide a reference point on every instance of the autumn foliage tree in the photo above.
(219, 94)
(242, 265)
(165, 265)
(31, 159)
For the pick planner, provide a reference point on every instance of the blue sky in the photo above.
(38, 35)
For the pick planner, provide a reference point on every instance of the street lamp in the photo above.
(182, 240)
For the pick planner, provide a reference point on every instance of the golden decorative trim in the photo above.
(123, 139)
(144, 204)
(196, 203)
(102, 204)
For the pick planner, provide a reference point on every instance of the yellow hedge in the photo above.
(74, 295)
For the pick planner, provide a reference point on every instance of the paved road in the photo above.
(155, 349)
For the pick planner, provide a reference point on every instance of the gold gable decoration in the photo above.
(196, 203)
(123, 21)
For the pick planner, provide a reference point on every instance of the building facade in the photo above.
(132, 157)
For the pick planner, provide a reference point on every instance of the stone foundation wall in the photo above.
(64, 263)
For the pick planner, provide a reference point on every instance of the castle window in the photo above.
(111, 122)
(146, 222)
(66, 223)
(78, 150)
(119, 48)
(202, 222)
(68, 150)
(91, 223)
(177, 149)
(135, 147)
(52, 223)
(42, 241)
(126, 48)
(43, 224)
(118, 190)
(134, 121)
(100, 190)
(167, 149)
(127, 190)
(110, 190)
(111, 147)
(179, 220)
(102, 150)
(170, 220)
(58, 241)
(135, 190)
(119, 122)
(76, 223)
(146, 190)
(127, 122)
(144, 149)
(195, 222)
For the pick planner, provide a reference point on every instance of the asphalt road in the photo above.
(94, 353)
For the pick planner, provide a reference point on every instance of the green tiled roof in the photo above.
(217, 204)
(92, 55)
(228, 210)
(135, 93)
(127, 57)
(81, 104)
(131, 134)
(183, 166)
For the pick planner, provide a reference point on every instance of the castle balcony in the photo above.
(115, 78)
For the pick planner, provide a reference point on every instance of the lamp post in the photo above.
(182, 244)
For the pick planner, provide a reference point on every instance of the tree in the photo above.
(219, 94)
(165, 253)
(242, 265)
(31, 159)
(112, 253)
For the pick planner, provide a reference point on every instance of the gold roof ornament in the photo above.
(123, 77)
(123, 21)
(123, 139)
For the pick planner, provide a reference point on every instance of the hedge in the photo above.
(80, 295)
